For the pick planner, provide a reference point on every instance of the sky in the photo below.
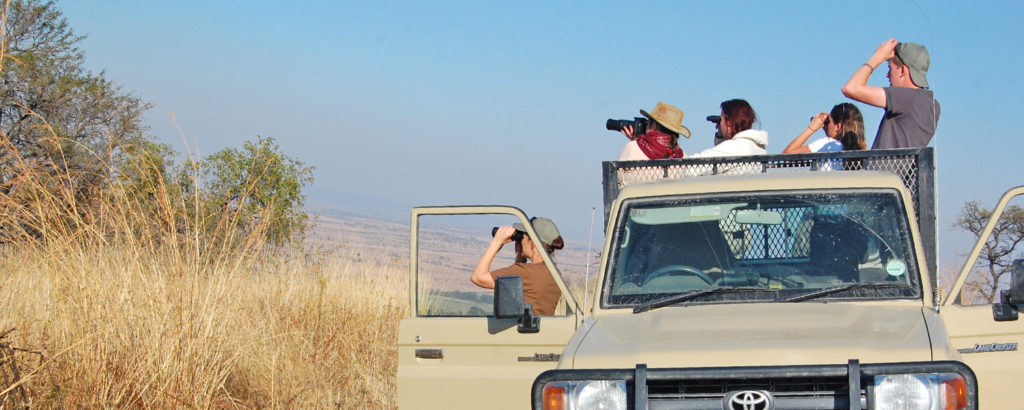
(400, 104)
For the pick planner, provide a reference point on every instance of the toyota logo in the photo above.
(749, 400)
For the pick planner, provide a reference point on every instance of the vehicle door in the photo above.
(452, 352)
(993, 349)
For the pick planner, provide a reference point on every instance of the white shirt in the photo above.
(825, 144)
(749, 142)
(632, 152)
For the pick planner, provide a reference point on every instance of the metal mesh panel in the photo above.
(633, 172)
(902, 162)
(784, 241)
(916, 167)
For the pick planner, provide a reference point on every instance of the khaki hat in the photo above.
(669, 116)
(915, 57)
(545, 228)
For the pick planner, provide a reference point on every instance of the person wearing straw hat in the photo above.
(539, 288)
(911, 111)
(661, 138)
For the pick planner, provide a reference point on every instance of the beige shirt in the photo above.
(539, 287)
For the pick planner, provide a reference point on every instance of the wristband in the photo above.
(869, 66)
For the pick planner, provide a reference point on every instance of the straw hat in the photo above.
(668, 116)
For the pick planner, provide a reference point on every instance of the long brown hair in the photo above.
(851, 135)
(739, 114)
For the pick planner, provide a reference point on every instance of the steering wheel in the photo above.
(679, 270)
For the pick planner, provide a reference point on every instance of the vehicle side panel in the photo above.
(992, 349)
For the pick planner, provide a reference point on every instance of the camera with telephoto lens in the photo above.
(516, 237)
(639, 125)
(715, 119)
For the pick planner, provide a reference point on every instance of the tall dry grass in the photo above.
(127, 295)
(122, 327)
(122, 299)
(118, 318)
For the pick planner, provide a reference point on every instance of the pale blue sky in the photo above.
(439, 103)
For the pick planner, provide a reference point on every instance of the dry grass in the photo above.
(120, 327)
(126, 298)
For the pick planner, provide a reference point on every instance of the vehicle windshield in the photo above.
(799, 246)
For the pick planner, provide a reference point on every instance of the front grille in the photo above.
(777, 386)
(787, 392)
(787, 387)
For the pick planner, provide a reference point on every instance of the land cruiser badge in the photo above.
(991, 347)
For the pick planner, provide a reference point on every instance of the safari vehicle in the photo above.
(770, 283)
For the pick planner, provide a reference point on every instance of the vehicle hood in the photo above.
(756, 335)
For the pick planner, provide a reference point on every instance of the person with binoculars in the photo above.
(660, 129)
(844, 130)
(539, 288)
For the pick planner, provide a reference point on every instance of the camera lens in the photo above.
(616, 125)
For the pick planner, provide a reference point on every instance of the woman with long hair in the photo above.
(739, 138)
(844, 130)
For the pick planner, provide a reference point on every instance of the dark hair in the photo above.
(739, 114)
(556, 243)
(851, 135)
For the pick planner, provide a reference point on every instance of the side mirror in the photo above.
(1011, 301)
(509, 303)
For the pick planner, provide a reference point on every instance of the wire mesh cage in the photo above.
(916, 168)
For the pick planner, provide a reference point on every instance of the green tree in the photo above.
(255, 189)
(75, 153)
(64, 126)
(998, 252)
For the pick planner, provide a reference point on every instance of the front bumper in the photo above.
(789, 387)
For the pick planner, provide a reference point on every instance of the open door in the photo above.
(452, 352)
(989, 338)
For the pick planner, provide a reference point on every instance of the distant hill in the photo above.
(335, 203)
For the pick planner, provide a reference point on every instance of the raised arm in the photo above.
(798, 145)
(857, 87)
(482, 273)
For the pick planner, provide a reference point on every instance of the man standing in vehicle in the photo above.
(911, 111)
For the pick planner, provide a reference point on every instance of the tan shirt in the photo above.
(539, 287)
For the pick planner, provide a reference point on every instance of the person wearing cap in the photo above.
(661, 138)
(911, 111)
(539, 288)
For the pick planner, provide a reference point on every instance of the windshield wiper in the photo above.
(682, 297)
(842, 288)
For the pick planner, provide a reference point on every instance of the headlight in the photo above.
(580, 395)
(933, 391)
